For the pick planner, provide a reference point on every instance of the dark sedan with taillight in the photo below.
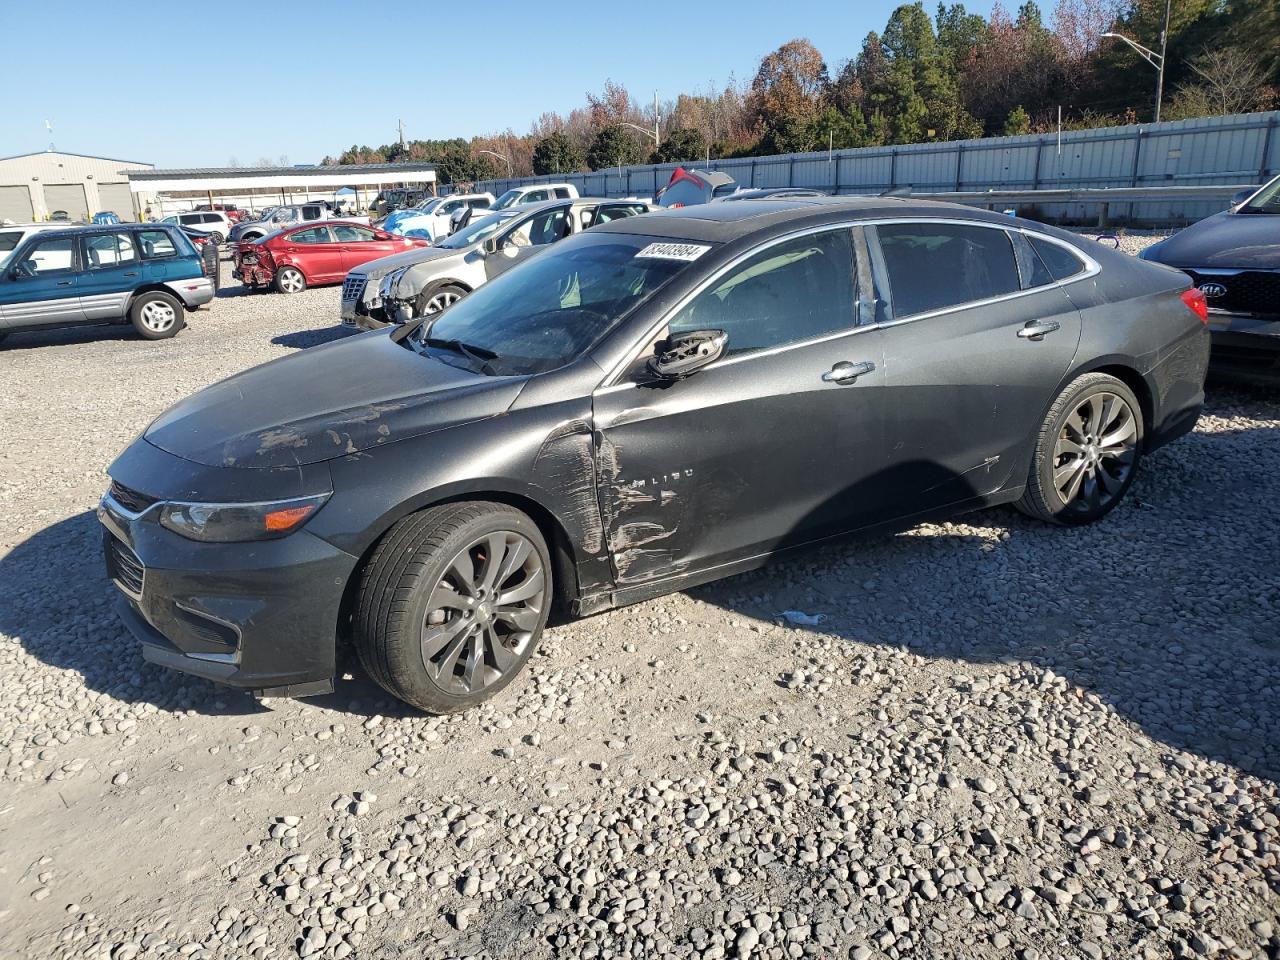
(1234, 258)
(318, 253)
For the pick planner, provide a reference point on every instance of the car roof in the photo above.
(79, 228)
(723, 222)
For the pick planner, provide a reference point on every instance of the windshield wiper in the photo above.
(478, 355)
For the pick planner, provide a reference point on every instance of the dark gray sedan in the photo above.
(1234, 258)
(651, 404)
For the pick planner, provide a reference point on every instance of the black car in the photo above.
(1234, 258)
(651, 404)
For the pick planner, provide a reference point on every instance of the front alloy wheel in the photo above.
(441, 298)
(482, 613)
(452, 603)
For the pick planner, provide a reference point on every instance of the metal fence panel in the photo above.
(1242, 148)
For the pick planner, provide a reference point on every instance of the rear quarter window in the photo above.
(935, 266)
(1058, 260)
(156, 244)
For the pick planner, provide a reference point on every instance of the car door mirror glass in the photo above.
(492, 244)
(682, 354)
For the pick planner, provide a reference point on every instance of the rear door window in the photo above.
(105, 250)
(789, 292)
(936, 266)
(562, 193)
(1059, 261)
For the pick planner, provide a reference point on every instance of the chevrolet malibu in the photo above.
(648, 405)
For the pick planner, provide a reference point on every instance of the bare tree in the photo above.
(1231, 79)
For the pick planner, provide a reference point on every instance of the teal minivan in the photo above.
(146, 274)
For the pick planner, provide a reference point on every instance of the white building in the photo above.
(34, 185)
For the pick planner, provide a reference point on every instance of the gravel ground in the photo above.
(1001, 740)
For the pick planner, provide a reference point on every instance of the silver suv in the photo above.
(398, 288)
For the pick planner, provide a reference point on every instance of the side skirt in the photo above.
(636, 593)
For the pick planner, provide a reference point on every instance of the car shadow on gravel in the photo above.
(301, 339)
(1167, 610)
(60, 606)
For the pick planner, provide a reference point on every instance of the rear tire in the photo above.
(452, 603)
(156, 315)
(1087, 452)
(290, 280)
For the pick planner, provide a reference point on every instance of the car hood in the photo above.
(327, 402)
(384, 265)
(1224, 241)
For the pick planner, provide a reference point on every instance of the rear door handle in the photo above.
(64, 283)
(846, 372)
(131, 273)
(1036, 329)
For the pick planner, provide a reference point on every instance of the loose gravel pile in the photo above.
(990, 738)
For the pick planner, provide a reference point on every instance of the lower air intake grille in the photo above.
(124, 567)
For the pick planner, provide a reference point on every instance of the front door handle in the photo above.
(1036, 329)
(131, 273)
(64, 283)
(846, 372)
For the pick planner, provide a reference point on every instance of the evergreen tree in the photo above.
(614, 146)
(555, 153)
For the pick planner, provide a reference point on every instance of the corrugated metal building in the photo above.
(33, 185)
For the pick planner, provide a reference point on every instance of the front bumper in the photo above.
(261, 616)
(1245, 346)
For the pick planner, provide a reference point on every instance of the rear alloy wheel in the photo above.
(290, 280)
(1087, 453)
(452, 604)
(156, 315)
(437, 299)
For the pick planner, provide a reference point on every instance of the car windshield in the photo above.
(508, 199)
(266, 214)
(426, 206)
(475, 231)
(553, 308)
(1267, 200)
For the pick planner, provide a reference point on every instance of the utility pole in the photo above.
(656, 132)
(1155, 59)
(1164, 42)
(400, 124)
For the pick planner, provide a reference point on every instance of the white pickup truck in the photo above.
(286, 215)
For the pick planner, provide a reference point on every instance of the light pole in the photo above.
(1149, 55)
(651, 134)
(500, 157)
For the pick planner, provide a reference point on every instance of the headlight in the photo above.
(389, 282)
(232, 522)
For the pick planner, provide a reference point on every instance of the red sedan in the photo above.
(319, 253)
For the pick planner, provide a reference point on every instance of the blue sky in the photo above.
(176, 84)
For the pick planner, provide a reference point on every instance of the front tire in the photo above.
(1087, 452)
(452, 603)
(156, 315)
(290, 280)
(435, 299)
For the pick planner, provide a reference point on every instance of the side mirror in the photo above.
(492, 245)
(686, 353)
(1240, 197)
